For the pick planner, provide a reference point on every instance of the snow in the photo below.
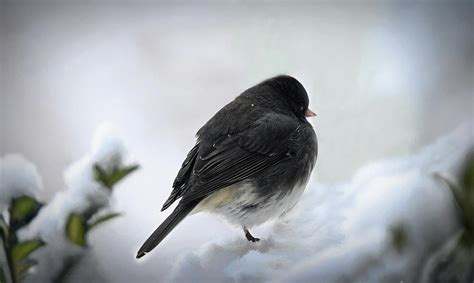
(337, 232)
(82, 194)
(18, 177)
(343, 232)
(70, 67)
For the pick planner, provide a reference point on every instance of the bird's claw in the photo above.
(249, 237)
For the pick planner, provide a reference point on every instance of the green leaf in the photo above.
(23, 249)
(3, 279)
(467, 239)
(3, 228)
(121, 173)
(103, 219)
(22, 210)
(399, 238)
(76, 229)
(464, 200)
(109, 180)
(100, 175)
(467, 177)
(23, 266)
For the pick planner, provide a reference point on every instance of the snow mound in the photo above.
(380, 226)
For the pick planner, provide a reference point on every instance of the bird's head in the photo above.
(292, 93)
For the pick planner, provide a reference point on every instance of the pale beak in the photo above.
(309, 113)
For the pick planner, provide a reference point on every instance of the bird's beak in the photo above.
(309, 113)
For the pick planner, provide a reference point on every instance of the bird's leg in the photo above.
(249, 236)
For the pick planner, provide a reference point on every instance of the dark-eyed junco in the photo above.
(251, 161)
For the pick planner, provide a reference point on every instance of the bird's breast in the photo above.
(242, 204)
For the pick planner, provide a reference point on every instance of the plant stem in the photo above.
(11, 266)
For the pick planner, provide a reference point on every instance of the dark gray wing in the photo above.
(234, 158)
(181, 181)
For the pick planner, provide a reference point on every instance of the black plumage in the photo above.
(261, 138)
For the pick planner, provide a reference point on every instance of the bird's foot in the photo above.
(249, 236)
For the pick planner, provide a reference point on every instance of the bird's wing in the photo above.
(181, 181)
(237, 157)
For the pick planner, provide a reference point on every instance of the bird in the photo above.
(251, 161)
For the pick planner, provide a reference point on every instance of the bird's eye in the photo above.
(301, 108)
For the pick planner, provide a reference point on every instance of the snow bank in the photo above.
(346, 232)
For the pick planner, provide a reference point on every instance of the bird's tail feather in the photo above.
(165, 228)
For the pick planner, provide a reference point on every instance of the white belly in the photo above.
(241, 205)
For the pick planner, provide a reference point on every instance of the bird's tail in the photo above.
(165, 228)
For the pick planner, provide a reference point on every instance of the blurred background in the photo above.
(386, 78)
